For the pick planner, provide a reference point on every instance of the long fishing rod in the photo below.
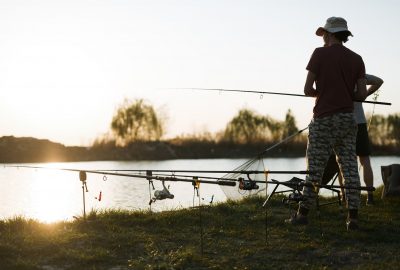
(147, 177)
(193, 176)
(109, 171)
(149, 174)
(272, 93)
(243, 184)
(210, 171)
(289, 183)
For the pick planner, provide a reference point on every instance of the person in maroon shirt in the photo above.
(336, 71)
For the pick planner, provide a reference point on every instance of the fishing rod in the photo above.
(244, 184)
(249, 184)
(224, 182)
(147, 176)
(197, 176)
(297, 183)
(210, 171)
(272, 93)
(110, 171)
(181, 178)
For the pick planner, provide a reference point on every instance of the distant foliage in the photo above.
(245, 127)
(104, 139)
(385, 130)
(394, 128)
(136, 121)
(289, 127)
(250, 127)
(204, 136)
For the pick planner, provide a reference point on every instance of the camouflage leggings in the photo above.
(338, 133)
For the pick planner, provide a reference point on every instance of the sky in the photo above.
(66, 66)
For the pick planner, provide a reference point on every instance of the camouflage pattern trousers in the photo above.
(332, 133)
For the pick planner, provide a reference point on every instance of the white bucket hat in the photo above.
(333, 25)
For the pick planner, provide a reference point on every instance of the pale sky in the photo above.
(65, 66)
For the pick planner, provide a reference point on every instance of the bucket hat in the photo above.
(333, 25)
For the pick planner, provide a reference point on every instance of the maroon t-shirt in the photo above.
(337, 70)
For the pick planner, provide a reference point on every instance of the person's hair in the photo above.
(343, 36)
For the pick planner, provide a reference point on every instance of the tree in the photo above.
(378, 129)
(289, 126)
(385, 130)
(394, 129)
(136, 121)
(244, 128)
(249, 127)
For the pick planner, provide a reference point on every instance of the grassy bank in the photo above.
(233, 238)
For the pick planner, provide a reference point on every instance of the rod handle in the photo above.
(226, 183)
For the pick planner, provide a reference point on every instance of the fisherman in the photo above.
(335, 70)
(363, 148)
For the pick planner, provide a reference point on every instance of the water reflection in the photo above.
(50, 196)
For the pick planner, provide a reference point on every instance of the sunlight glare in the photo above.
(52, 196)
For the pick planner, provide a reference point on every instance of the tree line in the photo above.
(137, 121)
(137, 133)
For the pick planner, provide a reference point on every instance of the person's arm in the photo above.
(374, 83)
(361, 93)
(309, 85)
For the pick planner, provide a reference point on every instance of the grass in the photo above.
(233, 238)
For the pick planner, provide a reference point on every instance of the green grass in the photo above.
(233, 238)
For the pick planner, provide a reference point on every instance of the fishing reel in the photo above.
(293, 197)
(247, 184)
(162, 194)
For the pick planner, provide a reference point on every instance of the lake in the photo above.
(50, 195)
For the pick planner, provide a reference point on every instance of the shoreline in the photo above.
(32, 150)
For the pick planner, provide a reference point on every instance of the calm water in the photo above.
(52, 195)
